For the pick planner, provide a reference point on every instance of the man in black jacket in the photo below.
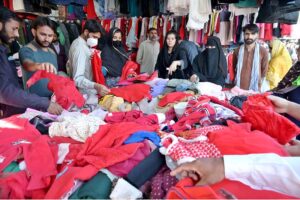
(13, 99)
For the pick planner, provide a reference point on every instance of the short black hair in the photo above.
(6, 15)
(253, 28)
(43, 21)
(93, 26)
(152, 29)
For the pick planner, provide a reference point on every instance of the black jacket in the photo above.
(13, 99)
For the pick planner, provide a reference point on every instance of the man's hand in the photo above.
(48, 67)
(194, 78)
(55, 109)
(101, 89)
(293, 148)
(281, 105)
(206, 171)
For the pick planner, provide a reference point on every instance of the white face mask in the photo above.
(92, 42)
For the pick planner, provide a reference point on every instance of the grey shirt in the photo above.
(147, 55)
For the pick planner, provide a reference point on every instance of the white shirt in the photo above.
(80, 66)
(147, 55)
(265, 172)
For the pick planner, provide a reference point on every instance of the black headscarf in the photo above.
(113, 58)
(165, 58)
(211, 65)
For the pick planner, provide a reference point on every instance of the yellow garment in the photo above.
(279, 64)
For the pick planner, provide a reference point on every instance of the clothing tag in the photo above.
(2, 158)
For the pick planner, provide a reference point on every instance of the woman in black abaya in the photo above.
(211, 65)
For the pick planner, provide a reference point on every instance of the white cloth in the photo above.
(78, 127)
(147, 55)
(255, 68)
(198, 14)
(124, 190)
(210, 89)
(265, 171)
(241, 11)
(80, 66)
(131, 40)
(179, 7)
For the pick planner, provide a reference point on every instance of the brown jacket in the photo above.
(247, 65)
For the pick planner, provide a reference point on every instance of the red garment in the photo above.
(217, 30)
(105, 147)
(132, 93)
(140, 78)
(239, 139)
(230, 67)
(182, 150)
(64, 89)
(202, 116)
(13, 133)
(181, 30)
(97, 68)
(172, 98)
(40, 159)
(129, 70)
(233, 140)
(123, 168)
(268, 31)
(190, 134)
(106, 24)
(117, 117)
(259, 111)
(223, 103)
(286, 29)
(13, 186)
(65, 180)
(132, 116)
(90, 10)
(186, 189)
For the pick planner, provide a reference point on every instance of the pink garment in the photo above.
(182, 150)
(123, 168)
(64, 89)
(161, 183)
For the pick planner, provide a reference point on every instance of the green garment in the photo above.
(297, 81)
(246, 3)
(61, 36)
(99, 187)
(12, 167)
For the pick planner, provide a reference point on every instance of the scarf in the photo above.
(255, 68)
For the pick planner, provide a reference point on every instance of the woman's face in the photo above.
(117, 36)
(171, 40)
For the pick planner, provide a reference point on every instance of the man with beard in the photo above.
(60, 51)
(250, 61)
(37, 55)
(80, 61)
(13, 99)
(148, 52)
